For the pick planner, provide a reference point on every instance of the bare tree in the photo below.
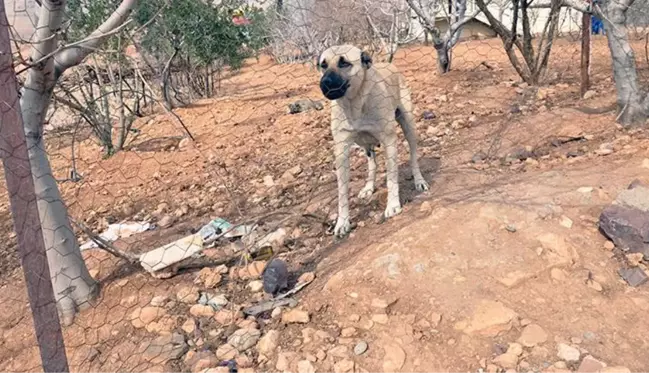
(632, 100)
(73, 285)
(534, 62)
(443, 43)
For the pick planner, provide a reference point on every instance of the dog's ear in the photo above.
(366, 60)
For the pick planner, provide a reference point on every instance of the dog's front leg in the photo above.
(342, 150)
(392, 170)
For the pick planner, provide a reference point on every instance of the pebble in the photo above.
(506, 360)
(189, 326)
(380, 318)
(565, 222)
(187, 295)
(268, 343)
(348, 332)
(360, 348)
(166, 221)
(199, 310)
(609, 245)
(594, 285)
(295, 316)
(394, 358)
(533, 335)
(590, 365)
(255, 286)
(243, 339)
(354, 317)
(305, 366)
(568, 353)
(226, 352)
(435, 319)
(379, 303)
(585, 190)
(277, 312)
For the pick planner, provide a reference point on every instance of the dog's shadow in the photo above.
(429, 167)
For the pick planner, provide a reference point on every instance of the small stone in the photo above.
(348, 332)
(590, 365)
(533, 335)
(305, 366)
(634, 276)
(226, 352)
(277, 312)
(339, 352)
(227, 317)
(366, 324)
(354, 317)
(189, 326)
(428, 115)
(255, 286)
(285, 360)
(268, 181)
(344, 366)
(558, 274)
(568, 353)
(510, 228)
(243, 339)
(202, 360)
(515, 348)
(594, 285)
(187, 295)
(394, 357)
(380, 318)
(306, 278)
(560, 365)
(141, 317)
(506, 360)
(209, 277)
(321, 355)
(199, 310)
(585, 190)
(360, 348)
(589, 94)
(490, 319)
(268, 343)
(379, 303)
(166, 221)
(565, 222)
(295, 316)
(634, 259)
(435, 319)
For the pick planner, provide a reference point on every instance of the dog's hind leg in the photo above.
(369, 187)
(404, 117)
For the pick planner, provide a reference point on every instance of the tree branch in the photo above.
(73, 56)
(579, 5)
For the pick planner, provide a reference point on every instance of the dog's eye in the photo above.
(324, 65)
(343, 63)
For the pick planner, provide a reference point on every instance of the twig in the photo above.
(168, 111)
(105, 245)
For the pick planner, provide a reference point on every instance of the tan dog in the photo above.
(366, 100)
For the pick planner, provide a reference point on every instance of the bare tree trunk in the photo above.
(633, 104)
(73, 285)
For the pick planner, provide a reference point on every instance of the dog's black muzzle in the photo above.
(333, 86)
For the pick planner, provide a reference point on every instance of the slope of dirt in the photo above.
(505, 238)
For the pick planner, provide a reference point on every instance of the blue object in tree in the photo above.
(596, 25)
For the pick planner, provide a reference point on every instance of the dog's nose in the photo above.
(332, 85)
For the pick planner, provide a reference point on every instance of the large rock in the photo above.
(627, 227)
(491, 318)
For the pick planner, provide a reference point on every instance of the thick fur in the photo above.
(367, 99)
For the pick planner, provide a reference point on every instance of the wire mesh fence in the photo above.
(163, 158)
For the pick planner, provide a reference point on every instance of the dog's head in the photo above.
(343, 70)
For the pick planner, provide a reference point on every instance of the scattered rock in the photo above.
(533, 335)
(589, 94)
(380, 303)
(202, 360)
(295, 316)
(568, 353)
(627, 227)
(435, 319)
(268, 343)
(189, 326)
(594, 285)
(428, 115)
(634, 276)
(360, 348)
(255, 286)
(268, 181)
(226, 352)
(491, 318)
(506, 360)
(348, 332)
(277, 312)
(141, 317)
(590, 365)
(243, 339)
(252, 270)
(200, 310)
(227, 316)
(306, 277)
(208, 277)
(166, 221)
(380, 319)
(344, 366)
(394, 357)
(305, 366)
(565, 222)
(285, 360)
(164, 348)
(187, 295)
(339, 351)
(515, 349)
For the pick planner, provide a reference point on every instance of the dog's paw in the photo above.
(366, 192)
(392, 210)
(343, 227)
(421, 185)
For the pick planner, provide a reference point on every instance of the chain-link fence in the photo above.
(159, 155)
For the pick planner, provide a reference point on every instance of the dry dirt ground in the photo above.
(500, 266)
